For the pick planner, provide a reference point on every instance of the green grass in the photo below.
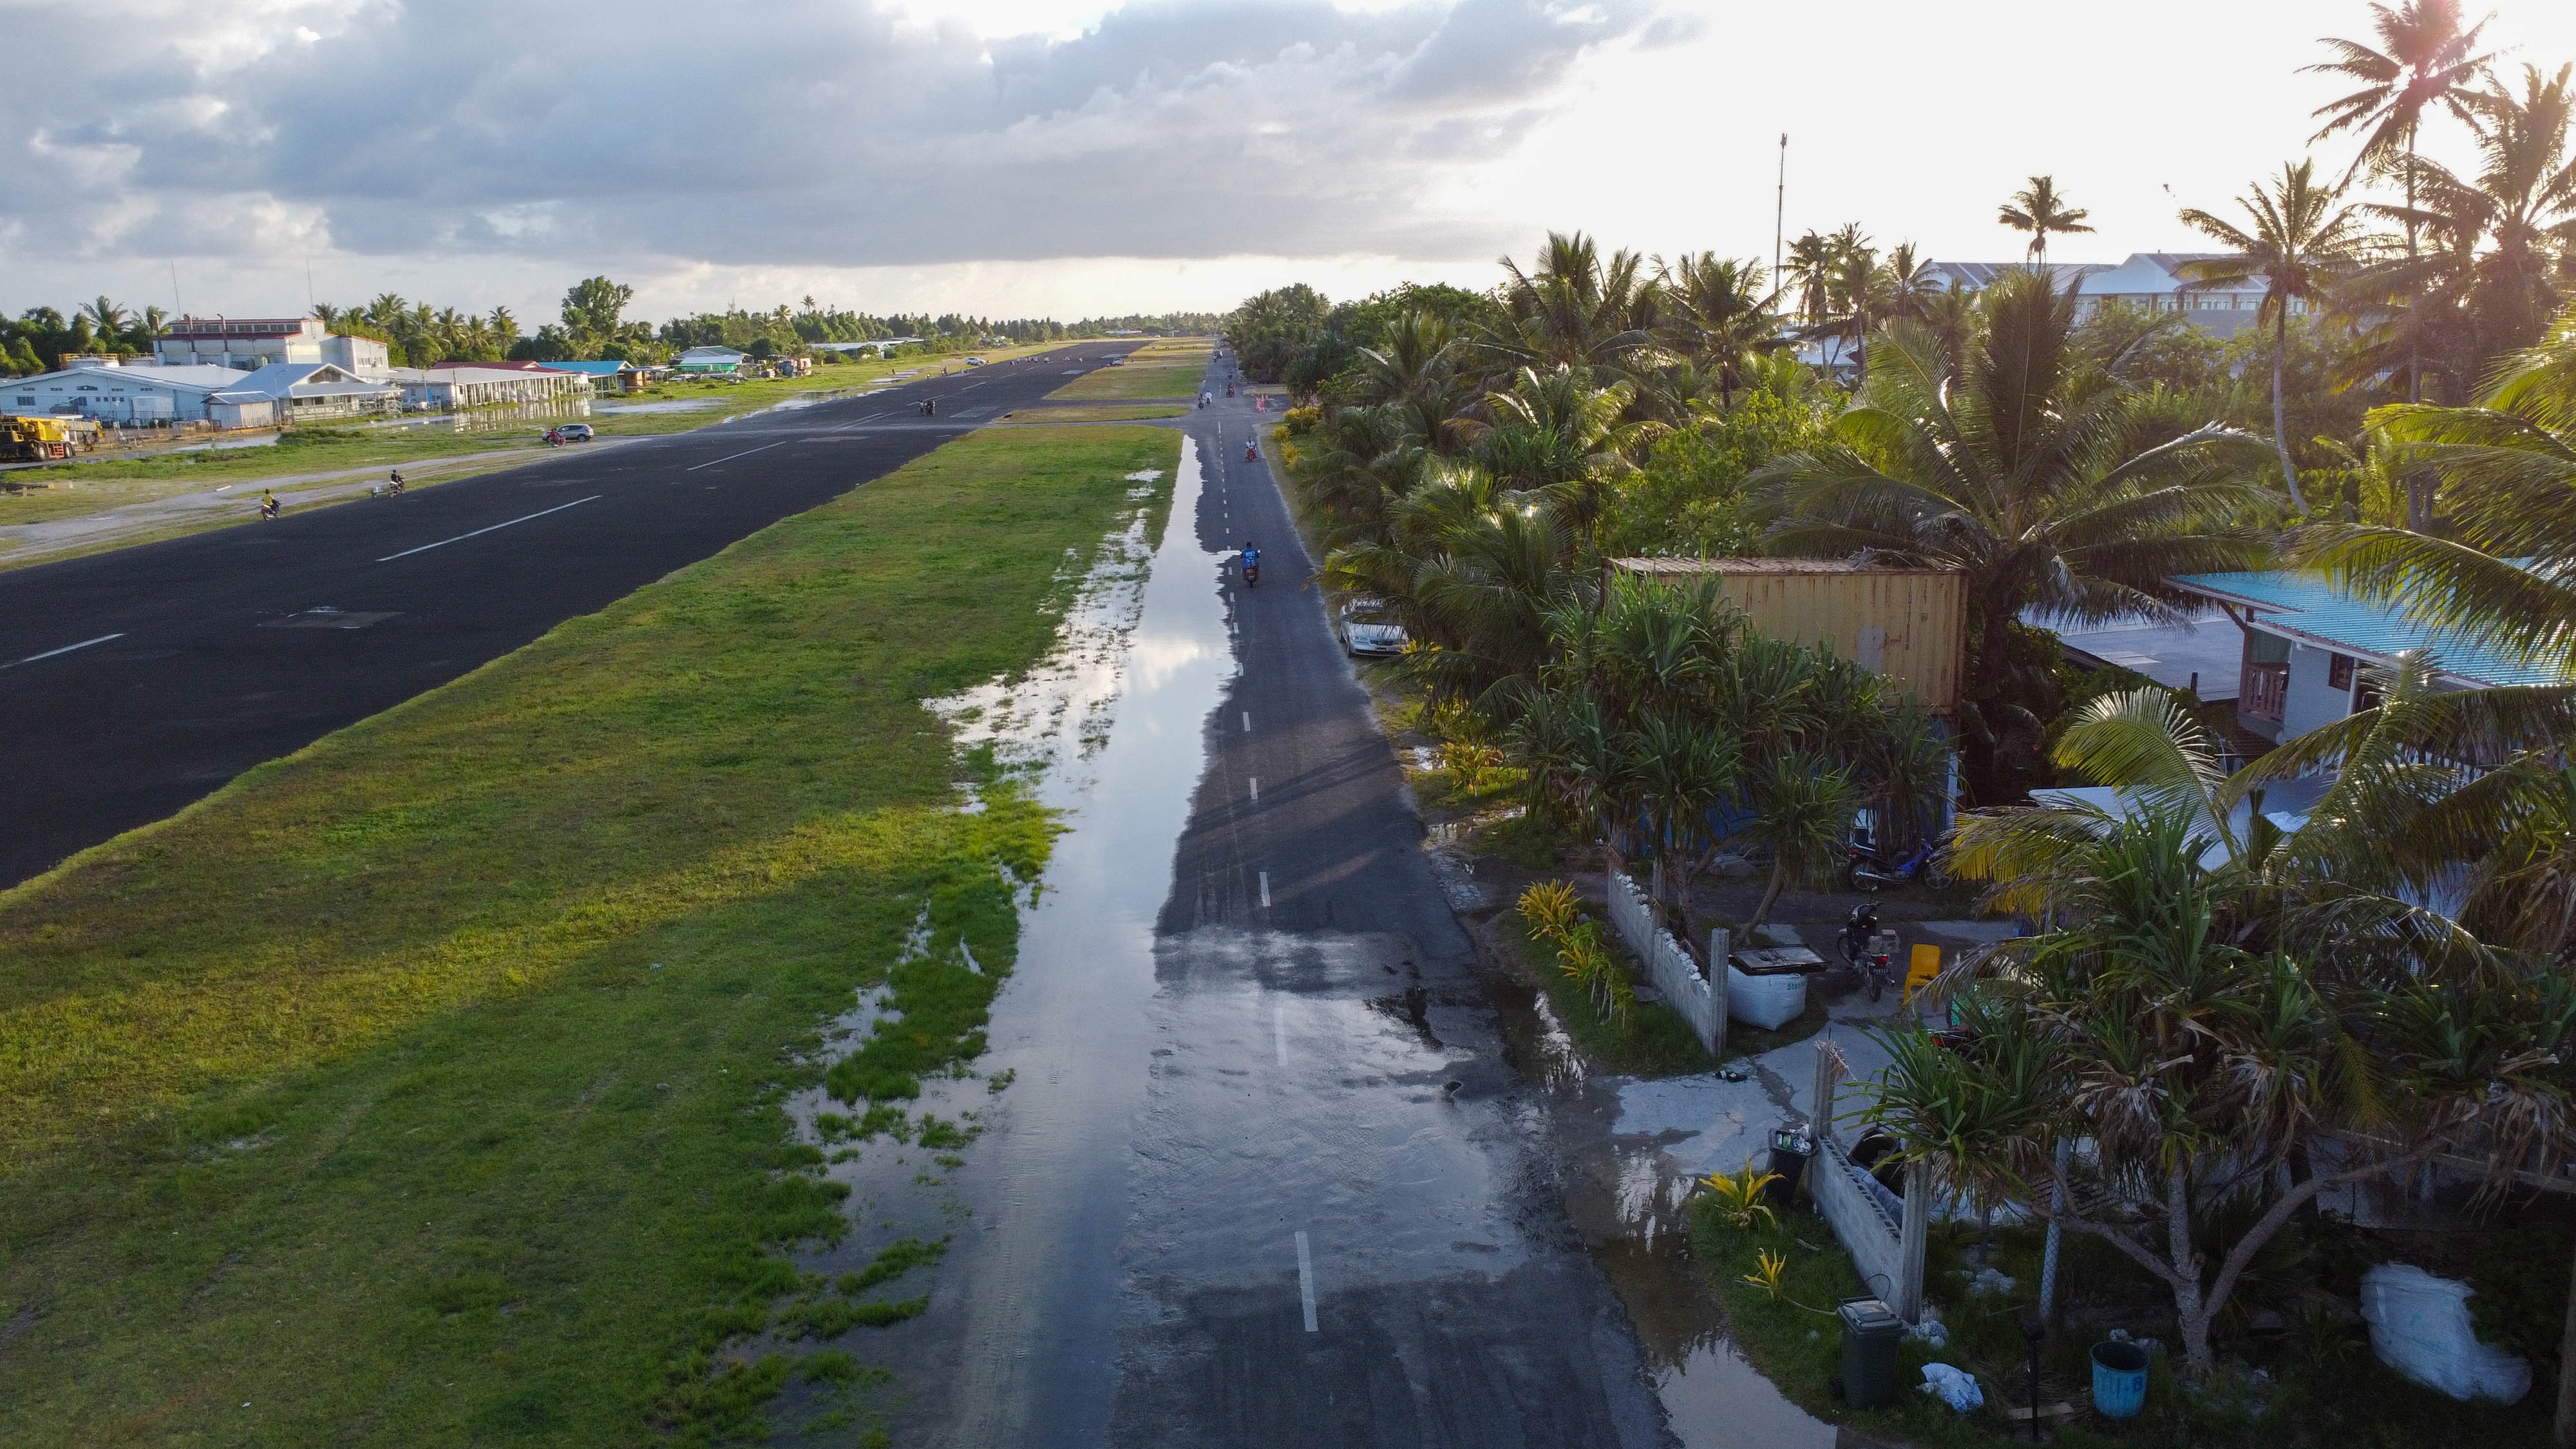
(1131, 414)
(422, 1087)
(1654, 1042)
(1136, 379)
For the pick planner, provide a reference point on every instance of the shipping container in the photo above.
(1907, 623)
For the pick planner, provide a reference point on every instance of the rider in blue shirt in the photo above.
(1251, 555)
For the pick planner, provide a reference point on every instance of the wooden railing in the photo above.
(2263, 691)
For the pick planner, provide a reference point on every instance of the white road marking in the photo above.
(1247, 721)
(1279, 1032)
(478, 533)
(1265, 890)
(66, 649)
(1256, 789)
(729, 457)
(1306, 1280)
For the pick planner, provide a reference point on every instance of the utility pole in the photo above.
(1780, 209)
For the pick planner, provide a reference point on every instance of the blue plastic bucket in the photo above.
(2119, 1379)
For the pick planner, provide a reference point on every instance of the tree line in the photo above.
(592, 325)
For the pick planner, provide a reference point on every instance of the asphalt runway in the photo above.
(137, 681)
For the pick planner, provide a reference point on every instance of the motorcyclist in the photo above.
(1251, 561)
(268, 506)
(1252, 452)
(395, 483)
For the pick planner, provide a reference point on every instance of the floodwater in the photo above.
(670, 405)
(1260, 1160)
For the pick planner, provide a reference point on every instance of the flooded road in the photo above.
(1255, 1164)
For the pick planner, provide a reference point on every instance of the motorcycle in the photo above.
(268, 508)
(1251, 575)
(1867, 949)
(1869, 872)
(1252, 452)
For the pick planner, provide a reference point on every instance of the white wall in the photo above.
(1671, 967)
(2310, 703)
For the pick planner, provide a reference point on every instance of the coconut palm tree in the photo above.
(2425, 62)
(2299, 240)
(1561, 435)
(1573, 309)
(1810, 269)
(2505, 576)
(2047, 481)
(2040, 210)
(1716, 313)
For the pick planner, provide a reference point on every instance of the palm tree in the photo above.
(2039, 210)
(1810, 268)
(1716, 313)
(2505, 577)
(2048, 482)
(2300, 241)
(2425, 63)
(1561, 435)
(106, 319)
(1573, 310)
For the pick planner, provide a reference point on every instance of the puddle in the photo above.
(1629, 1151)
(1107, 729)
(673, 405)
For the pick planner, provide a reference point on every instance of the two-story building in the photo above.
(2307, 643)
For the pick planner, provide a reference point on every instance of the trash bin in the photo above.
(2119, 1379)
(1871, 1332)
(1790, 1150)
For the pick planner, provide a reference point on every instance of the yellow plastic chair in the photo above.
(1922, 963)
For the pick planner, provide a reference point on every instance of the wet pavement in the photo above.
(1256, 1166)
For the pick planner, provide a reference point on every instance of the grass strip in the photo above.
(1140, 412)
(422, 1087)
(1135, 380)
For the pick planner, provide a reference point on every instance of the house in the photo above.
(2150, 281)
(103, 389)
(710, 360)
(308, 392)
(2306, 641)
(605, 375)
(455, 386)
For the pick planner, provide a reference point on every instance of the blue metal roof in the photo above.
(2312, 608)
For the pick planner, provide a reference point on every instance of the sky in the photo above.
(1014, 158)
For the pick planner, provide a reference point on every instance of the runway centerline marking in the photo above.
(478, 533)
(1256, 788)
(1247, 721)
(1265, 890)
(1306, 1279)
(66, 649)
(745, 453)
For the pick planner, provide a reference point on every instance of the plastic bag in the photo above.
(2419, 1326)
(1956, 1387)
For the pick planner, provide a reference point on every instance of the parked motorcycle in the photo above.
(1872, 872)
(1867, 949)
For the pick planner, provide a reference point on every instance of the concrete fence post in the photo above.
(1917, 1231)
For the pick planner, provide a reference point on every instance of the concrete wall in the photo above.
(2311, 702)
(1845, 1198)
(1667, 964)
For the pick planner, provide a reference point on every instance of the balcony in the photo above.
(2263, 691)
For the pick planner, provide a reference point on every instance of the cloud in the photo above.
(841, 133)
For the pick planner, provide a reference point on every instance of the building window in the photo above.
(2339, 671)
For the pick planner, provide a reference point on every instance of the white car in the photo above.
(974, 362)
(1368, 630)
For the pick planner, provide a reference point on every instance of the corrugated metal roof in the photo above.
(2312, 609)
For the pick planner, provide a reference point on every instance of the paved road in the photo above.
(134, 682)
(1265, 1175)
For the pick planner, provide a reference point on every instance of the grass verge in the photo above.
(1134, 380)
(422, 1087)
(1060, 414)
(1653, 1042)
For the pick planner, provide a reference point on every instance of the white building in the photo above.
(306, 392)
(100, 389)
(2151, 281)
(243, 342)
(468, 386)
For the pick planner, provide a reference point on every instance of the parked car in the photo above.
(1119, 361)
(575, 432)
(974, 362)
(1367, 629)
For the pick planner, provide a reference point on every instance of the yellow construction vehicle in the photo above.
(33, 439)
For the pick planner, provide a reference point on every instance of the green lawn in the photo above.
(1135, 380)
(1136, 412)
(421, 1087)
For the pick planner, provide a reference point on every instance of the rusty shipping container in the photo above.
(1910, 624)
